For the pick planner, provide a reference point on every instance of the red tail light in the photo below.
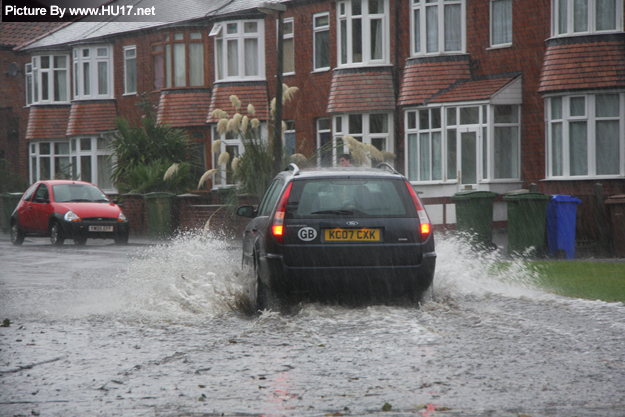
(426, 227)
(277, 227)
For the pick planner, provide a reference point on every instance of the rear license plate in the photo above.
(352, 235)
(100, 228)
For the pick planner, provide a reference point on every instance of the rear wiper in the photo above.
(338, 212)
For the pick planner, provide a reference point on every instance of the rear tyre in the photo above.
(17, 237)
(55, 234)
(262, 292)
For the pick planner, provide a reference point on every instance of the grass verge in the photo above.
(590, 280)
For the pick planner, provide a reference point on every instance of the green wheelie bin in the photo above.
(159, 207)
(527, 221)
(474, 215)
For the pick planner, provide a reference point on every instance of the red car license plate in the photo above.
(100, 228)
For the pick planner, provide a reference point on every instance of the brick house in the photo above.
(468, 94)
(13, 113)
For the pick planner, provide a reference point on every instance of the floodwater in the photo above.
(160, 330)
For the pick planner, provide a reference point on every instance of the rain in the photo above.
(165, 328)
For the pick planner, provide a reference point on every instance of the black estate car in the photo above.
(339, 234)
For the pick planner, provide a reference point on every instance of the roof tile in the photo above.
(47, 122)
(596, 63)
(362, 90)
(91, 117)
(182, 108)
(424, 78)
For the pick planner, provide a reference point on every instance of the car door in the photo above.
(255, 231)
(39, 209)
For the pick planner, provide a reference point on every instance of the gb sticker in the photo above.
(307, 234)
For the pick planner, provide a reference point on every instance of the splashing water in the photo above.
(462, 270)
(191, 277)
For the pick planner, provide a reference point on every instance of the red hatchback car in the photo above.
(63, 209)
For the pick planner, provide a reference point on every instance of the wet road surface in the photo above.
(158, 330)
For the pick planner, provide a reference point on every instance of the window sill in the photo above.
(502, 46)
(321, 70)
(130, 94)
(585, 178)
(368, 65)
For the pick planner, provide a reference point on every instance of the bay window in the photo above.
(49, 160)
(500, 22)
(363, 32)
(438, 26)
(47, 79)
(585, 135)
(91, 161)
(178, 61)
(239, 50)
(571, 17)
(321, 41)
(466, 144)
(93, 75)
(369, 128)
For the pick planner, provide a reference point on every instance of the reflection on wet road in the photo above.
(158, 330)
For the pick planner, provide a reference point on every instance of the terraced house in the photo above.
(468, 94)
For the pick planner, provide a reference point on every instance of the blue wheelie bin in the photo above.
(561, 219)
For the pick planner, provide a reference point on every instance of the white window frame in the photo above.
(54, 154)
(345, 20)
(98, 147)
(420, 6)
(220, 33)
(317, 29)
(324, 126)
(94, 59)
(34, 80)
(485, 145)
(131, 49)
(558, 6)
(591, 120)
(288, 21)
(493, 22)
(341, 124)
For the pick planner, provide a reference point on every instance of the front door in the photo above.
(469, 140)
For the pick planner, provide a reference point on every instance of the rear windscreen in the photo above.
(327, 198)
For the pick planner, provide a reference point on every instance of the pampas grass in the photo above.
(224, 157)
(235, 101)
(216, 146)
(206, 176)
(251, 110)
(170, 171)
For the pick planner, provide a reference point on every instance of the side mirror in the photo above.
(246, 211)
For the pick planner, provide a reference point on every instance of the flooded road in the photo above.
(158, 330)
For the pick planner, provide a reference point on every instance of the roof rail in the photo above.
(386, 165)
(292, 167)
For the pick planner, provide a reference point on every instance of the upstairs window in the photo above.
(130, 70)
(47, 79)
(93, 77)
(363, 32)
(178, 61)
(501, 22)
(239, 50)
(288, 47)
(321, 41)
(570, 17)
(438, 26)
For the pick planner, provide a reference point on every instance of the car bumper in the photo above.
(332, 282)
(94, 230)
